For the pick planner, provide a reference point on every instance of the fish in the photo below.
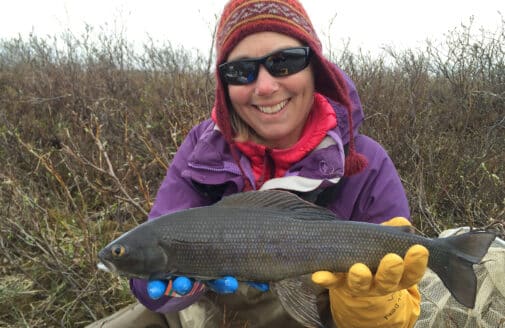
(277, 237)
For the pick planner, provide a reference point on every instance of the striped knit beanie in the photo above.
(241, 18)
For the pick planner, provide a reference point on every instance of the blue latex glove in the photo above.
(183, 285)
(224, 285)
(261, 286)
(158, 288)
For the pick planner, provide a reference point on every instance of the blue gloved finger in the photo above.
(182, 285)
(261, 286)
(224, 285)
(178, 287)
(156, 288)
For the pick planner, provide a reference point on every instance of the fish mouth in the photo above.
(107, 266)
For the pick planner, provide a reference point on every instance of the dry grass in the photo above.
(88, 128)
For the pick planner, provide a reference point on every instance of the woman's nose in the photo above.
(265, 83)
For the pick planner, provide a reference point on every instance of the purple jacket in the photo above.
(203, 170)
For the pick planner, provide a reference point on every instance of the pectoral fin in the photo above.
(299, 301)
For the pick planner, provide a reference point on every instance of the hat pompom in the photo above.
(354, 163)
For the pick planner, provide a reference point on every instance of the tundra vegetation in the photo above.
(89, 124)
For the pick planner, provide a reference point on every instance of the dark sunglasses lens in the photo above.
(287, 62)
(278, 64)
(239, 72)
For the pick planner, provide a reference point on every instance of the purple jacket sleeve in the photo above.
(175, 193)
(377, 193)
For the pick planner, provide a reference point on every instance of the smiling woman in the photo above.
(284, 117)
(438, 115)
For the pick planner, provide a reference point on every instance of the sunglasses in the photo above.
(279, 63)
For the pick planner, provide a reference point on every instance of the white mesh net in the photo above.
(440, 309)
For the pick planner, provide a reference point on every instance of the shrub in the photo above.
(88, 127)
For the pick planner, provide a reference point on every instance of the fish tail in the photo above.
(455, 267)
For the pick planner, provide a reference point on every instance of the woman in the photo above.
(285, 117)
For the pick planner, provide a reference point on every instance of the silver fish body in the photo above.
(272, 236)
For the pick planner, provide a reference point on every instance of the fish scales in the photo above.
(268, 245)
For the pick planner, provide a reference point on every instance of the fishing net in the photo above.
(440, 309)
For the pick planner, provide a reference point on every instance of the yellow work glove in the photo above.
(388, 299)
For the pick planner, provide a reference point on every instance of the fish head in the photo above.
(135, 255)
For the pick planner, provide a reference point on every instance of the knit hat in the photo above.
(241, 18)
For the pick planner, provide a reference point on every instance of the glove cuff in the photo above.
(397, 310)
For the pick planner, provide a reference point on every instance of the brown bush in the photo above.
(88, 129)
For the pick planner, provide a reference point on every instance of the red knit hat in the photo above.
(241, 18)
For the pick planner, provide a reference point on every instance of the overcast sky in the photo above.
(369, 24)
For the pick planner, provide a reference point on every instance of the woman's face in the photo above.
(275, 107)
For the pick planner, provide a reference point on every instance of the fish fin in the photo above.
(299, 301)
(473, 245)
(278, 200)
(456, 271)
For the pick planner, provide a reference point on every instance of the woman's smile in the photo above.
(272, 109)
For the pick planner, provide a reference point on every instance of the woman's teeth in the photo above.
(273, 109)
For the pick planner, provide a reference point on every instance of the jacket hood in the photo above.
(358, 115)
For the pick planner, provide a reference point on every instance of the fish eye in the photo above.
(118, 250)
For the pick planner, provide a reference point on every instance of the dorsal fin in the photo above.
(277, 200)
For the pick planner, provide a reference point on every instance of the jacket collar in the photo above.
(211, 163)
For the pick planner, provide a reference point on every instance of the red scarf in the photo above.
(270, 163)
